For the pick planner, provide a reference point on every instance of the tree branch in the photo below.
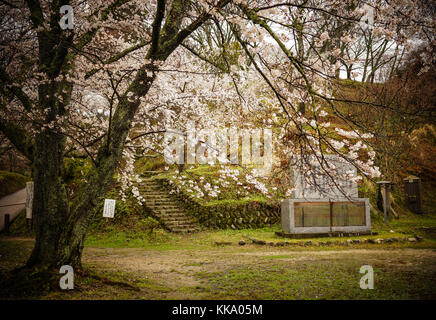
(172, 43)
(15, 90)
(118, 56)
(157, 23)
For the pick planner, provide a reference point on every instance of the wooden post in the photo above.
(182, 158)
(7, 222)
(302, 108)
(331, 215)
(385, 188)
(29, 199)
(412, 193)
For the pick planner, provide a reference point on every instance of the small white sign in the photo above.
(29, 199)
(109, 208)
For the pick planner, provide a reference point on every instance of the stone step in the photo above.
(146, 183)
(150, 173)
(167, 215)
(179, 213)
(158, 197)
(177, 218)
(171, 210)
(163, 213)
(176, 224)
(162, 207)
(185, 230)
(155, 194)
(150, 188)
(171, 205)
(161, 198)
(152, 192)
(154, 197)
(171, 215)
(161, 201)
(172, 224)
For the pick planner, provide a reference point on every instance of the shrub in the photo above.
(11, 182)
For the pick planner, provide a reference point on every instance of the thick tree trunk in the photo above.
(58, 240)
(50, 206)
(60, 228)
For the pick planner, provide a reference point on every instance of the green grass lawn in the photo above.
(132, 232)
(162, 240)
(198, 269)
(321, 279)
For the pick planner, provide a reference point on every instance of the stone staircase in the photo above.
(166, 208)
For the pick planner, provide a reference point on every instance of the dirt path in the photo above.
(249, 272)
(173, 269)
(177, 270)
(16, 197)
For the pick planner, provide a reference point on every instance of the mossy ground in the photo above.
(193, 267)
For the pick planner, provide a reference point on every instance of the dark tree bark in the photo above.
(50, 207)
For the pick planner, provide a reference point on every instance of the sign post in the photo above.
(109, 208)
(7, 223)
(29, 201)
